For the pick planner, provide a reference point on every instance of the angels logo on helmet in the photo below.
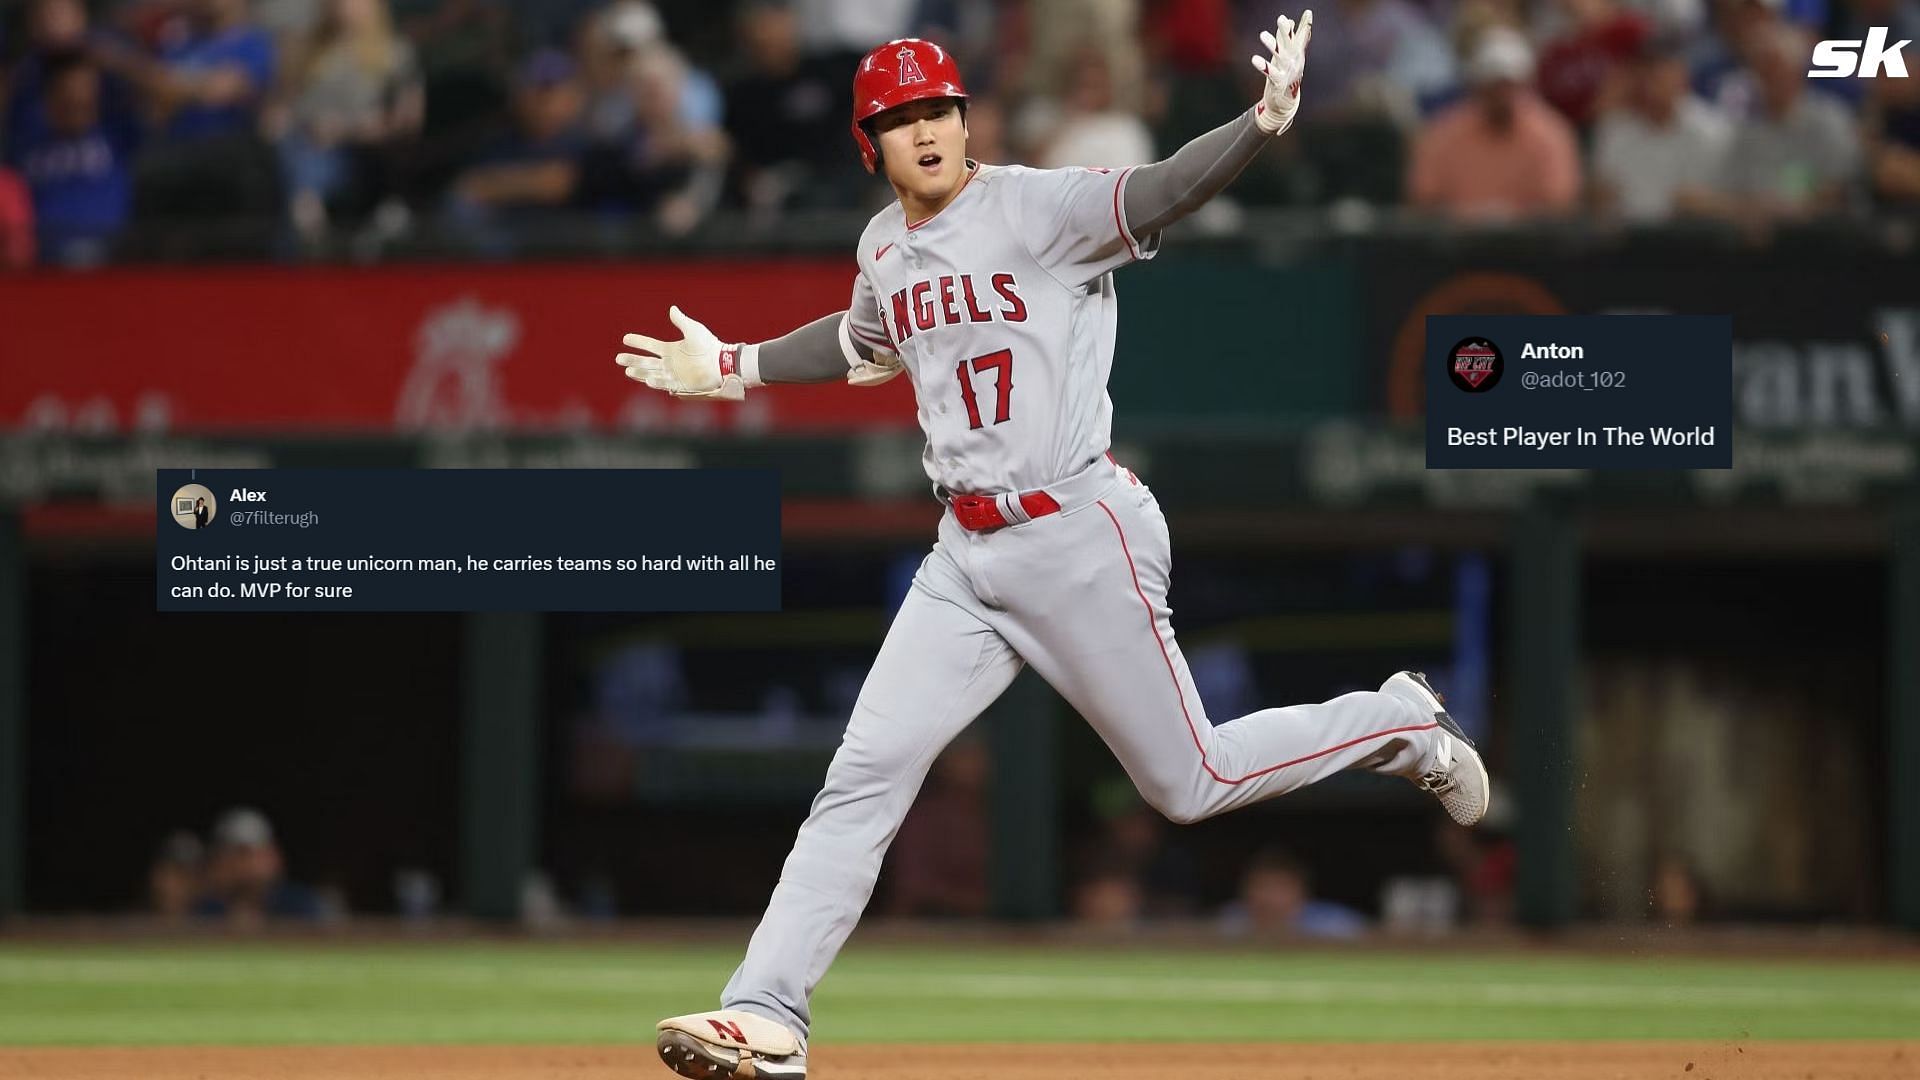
(909, 68)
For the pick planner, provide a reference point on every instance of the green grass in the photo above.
(613, 992)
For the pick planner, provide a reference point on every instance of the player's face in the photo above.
(923, 145)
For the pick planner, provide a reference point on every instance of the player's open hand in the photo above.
(694, 366)
(1284, 66)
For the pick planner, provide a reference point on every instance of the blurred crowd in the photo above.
(363, 120)
(1136, 870)
(1129, 870)
(236, 876)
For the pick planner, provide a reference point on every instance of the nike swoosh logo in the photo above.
(882, 253)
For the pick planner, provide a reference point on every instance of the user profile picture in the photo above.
(1475, 365)
(194, 507)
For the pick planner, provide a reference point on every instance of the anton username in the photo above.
(1607, 436)
(1552, 351)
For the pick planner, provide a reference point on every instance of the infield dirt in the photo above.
(1681, 1060)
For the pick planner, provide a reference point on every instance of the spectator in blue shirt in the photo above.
(77, 158)
(532, 168)
(204, 91)
(246, 879)
(213, 81)
(55, 29)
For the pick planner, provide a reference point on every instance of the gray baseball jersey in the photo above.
(1002, 308)
(1003, 311)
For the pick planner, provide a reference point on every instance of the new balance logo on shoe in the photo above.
(728, 1030)
(1840, 59)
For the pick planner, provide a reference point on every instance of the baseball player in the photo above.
(991, 286)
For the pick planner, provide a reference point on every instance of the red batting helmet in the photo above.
(907, 69)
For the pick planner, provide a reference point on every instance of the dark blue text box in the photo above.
(1579, 391)
(468, 540)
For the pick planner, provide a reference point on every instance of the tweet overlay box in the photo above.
(1579, 391)
(467, 540)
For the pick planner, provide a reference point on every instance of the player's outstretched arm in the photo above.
(822, 351)
(1162, 193)
(700, 365)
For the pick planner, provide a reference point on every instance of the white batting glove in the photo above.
(1283, 67)
(696, 366)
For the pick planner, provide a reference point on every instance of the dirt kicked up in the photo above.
(1680, 1059)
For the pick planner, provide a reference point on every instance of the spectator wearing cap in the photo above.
(77, 161)
(1659, 149)
(1503, 153)
(664, 165)
(614, 46)
(536, 165)
(1799, 154)
(607, 43)
(1582, 67)
(353, 100)
(246, 882)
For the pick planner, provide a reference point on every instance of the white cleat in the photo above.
(730, 1045)
(1457, 777)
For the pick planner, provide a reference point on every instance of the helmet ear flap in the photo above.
(869, 146)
